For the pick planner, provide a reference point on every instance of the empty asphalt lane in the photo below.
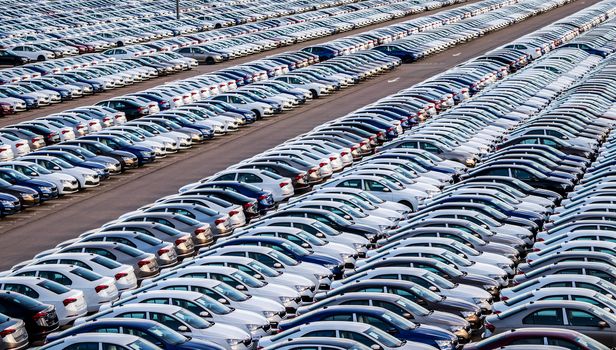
(42, 228)
(90, 100)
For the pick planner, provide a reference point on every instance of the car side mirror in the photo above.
(320, 235)
(183, 329)
(278, 265)
(392, 331)
(257, 276)
(602, 324)
(240, 287)
(386, 189)
(433, 288)
(376, 347)
(305, 245)
(204, 314)
(407, 315)
(56, 168)
(223, 301)
(420, 302)
(348, 217)
(33, 174)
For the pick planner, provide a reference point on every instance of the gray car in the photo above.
(583, 317)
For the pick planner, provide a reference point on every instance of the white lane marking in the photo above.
(393, 80)
(456, 54)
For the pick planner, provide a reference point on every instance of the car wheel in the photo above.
(407, 203)
(119, 44)
(209, 60)
(40, 58)
(257, 114)
(314, 94)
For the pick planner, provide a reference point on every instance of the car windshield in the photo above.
(247, 279)
(39, 169)
(285, 259)
(192, 320)
(398, 321)
(167, 334)
(297, 250)
(141, 345)
(588, 342)
(310, 239)
(83, 152)
(63, 164)
(456, 259)
(71, 157)
(438, 280)
(230, 293)
(415, 309)
(355, 213)
(383, 338)
(213, 305)
(338, 220)
(17, 175)
(263, 269)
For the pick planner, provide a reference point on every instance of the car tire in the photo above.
(407, 203)
(314, 93)
(41, 58)
(257, 114)
(209, 60)
(119, 44)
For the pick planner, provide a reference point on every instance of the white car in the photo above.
(230, 337)
(109, 341)
(70, 303)
(20, 147)
(97, 289)
(199, 304)
(223, 293)
(261, 109)
(280, 187)
(85, 177)
(66, 183)
(123, 274)
(241, 281)
(31, 52)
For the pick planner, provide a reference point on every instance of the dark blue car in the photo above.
(9, 204)
(144, 155)
(248, 114)
(265, 200)
(381, 318)
(288, 248)
(46, 190)
(152, 331)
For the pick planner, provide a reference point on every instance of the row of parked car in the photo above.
(49, 82)
(332, 257)
(85, 145)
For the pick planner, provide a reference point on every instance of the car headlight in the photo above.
(7, 204)
(286, 300)
(470, 161)
(127, 159)
(479, 300)
(444, 344)
(26, 196)
(146, 154)
(467, 314)
(252, 327)
(100, 171)
(300, 288)
(269, 314)
(234, 342)
(66, 182)
(46, 189)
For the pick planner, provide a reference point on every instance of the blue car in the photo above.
(249, 115)
(100, 169)
(152, 331)
(85, 154)
(9, 204)
(46, 190)
(288, 248)
(265, 200)
(144, 155)
(381, 318)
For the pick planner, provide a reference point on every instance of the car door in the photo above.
(590, 324)
(379, 190)
(547, 317)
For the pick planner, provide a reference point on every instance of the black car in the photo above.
(12, 59)
(41, 319)
(126, 159)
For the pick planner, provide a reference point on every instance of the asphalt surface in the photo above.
(28, 233)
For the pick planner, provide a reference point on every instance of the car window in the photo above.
(56, 277)
(82, 346)
(102, 252)
(545, 317)
(21, 289)
(581, 318)
(142, 335)
(339, 317)
(108, 330)
(249, 178)
(564, 343)
(376, 186)
(526, 341)
(166, 320)
(226, 177)
(140, 315)
(351, 184)
(323, 333)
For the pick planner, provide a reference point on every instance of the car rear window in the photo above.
(129, 250)
(54, 287)
(86, 274)
(106, 262)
